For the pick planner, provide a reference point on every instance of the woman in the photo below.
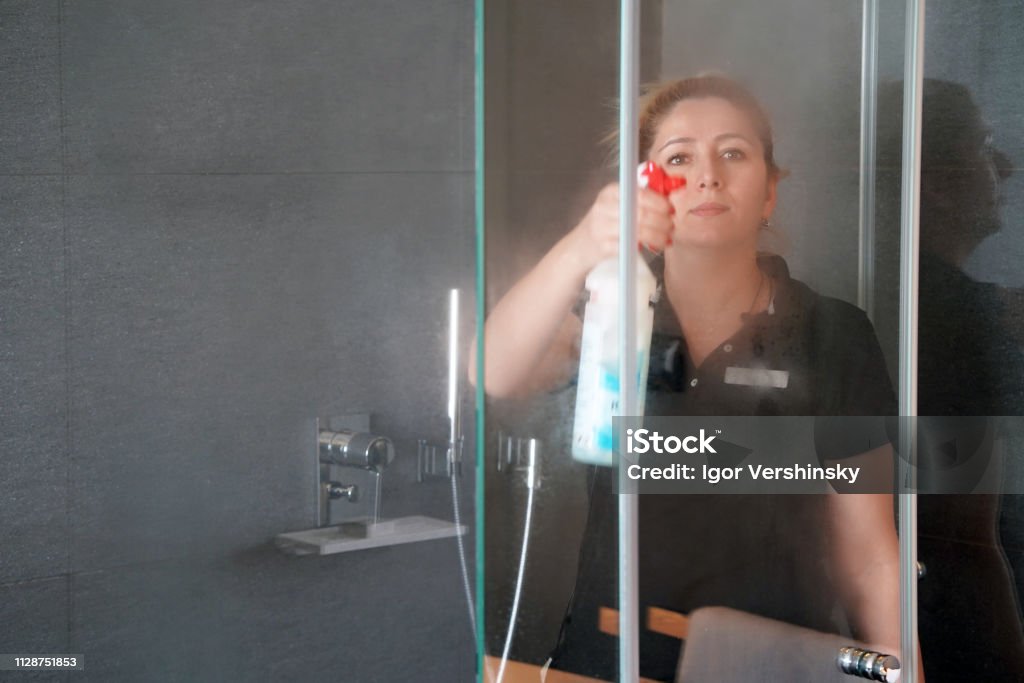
(724, 306)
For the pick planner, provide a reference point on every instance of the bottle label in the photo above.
(597, 402)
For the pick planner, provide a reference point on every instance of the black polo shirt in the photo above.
(806, 355)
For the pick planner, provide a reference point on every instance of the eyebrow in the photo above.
(718, 138)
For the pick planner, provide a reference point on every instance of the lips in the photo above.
(709, 209)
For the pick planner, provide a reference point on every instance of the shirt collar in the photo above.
(784, 308)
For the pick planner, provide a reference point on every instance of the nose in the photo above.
(708, 176)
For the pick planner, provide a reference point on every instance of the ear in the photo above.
(771, 197)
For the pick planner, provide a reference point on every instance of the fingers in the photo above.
(597, 234)
(654, 220)
(605, 230)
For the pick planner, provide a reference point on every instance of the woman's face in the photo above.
(728, 192)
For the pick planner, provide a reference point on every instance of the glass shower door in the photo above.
(831, 77)
(550, 72)
(970, 376)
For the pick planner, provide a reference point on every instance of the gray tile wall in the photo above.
(219, 221)
(30, 141)
(35, 619)
(33, 374)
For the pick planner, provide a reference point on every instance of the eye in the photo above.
(734, 154)
(677, 159)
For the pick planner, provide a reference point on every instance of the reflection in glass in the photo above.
(970, 364)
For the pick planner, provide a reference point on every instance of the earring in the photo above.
(765, 223)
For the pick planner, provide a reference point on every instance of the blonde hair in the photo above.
(659, 99)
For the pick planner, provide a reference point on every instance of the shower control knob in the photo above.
(874, 666)
(337, 490)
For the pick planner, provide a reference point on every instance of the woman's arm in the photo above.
(531, 336)
(864, 555)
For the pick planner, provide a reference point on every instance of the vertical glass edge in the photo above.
(868, 135)
(628, 552)
(913, 77)
(478, 205)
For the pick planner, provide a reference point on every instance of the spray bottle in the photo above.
(597, 391)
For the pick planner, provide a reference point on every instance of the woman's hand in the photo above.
(531, 335)
(597, 235)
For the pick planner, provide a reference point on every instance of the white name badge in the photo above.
(757, 377)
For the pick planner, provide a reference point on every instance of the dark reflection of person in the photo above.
(968, 365)
(725, 308)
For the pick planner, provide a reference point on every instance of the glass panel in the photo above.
(827, 564)
(551, 72)
(798, 560)
(971, 318)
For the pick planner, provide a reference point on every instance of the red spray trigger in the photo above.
(653, 177)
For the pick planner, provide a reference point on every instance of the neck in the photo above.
(710, 290)
(952, 253)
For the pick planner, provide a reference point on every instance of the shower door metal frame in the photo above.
(628, 555)
(913, 77)
(868, 132)
(910, 230)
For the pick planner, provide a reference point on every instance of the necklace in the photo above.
(760, 286)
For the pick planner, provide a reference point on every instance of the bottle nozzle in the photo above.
(653, 177)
